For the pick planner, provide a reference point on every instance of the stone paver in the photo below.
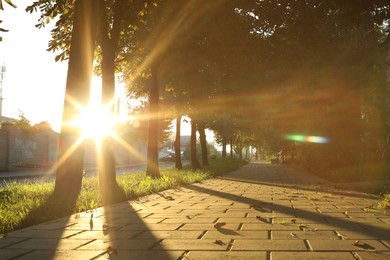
(262, 211)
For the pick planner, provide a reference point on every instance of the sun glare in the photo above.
(96, 122)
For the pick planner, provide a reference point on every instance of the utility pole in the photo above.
(2, 73)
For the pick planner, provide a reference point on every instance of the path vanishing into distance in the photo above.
(261, 211)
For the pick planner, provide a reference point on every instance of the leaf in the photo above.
(10, 3)
(262, 219)
(220, 224)
(219, 242)
(255, 207)
(357, 243)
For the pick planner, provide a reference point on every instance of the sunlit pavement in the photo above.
(262, 211)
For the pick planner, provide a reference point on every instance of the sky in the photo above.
(34, 84)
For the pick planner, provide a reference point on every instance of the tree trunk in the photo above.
(178, 163)
(203, 143)
(109, 42)
(231, 147)
(152, 169)
(224, 143)
(107, 176)
(194, 160)
(71, 151)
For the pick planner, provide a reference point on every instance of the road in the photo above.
(47, 175)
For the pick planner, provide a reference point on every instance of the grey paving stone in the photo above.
(190, 219)
(191, 244)
(177, 234)
(120, 244)
(61, 254)
(364, 234)
(222, 233)
(230, 226)
(287, 226)
(143, 255)
(30, 233)
(318, 235)
(312, 256)
(151, 227)
(347, 245)
(11, 253)
(4, 242)
(374, 255)
(229, 255)
(269, 245)
(112, 234)
(49, 244)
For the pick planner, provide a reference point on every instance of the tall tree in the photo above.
(71, 150)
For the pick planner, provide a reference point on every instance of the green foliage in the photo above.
(385, 203)
(27, 203)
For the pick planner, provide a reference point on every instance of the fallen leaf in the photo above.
(262, 219)
(219, 242)
(294, 220)
(253, 206)
(357, 243)
(220, 224)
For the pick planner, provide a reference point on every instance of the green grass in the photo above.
(28, 203)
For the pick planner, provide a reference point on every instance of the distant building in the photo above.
(4, 119)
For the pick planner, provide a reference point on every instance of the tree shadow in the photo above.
(309, 215)
(128, 236)
(253, 178)
(38, 235)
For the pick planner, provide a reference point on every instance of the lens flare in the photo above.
(308, 139)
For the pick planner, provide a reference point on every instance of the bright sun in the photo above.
(96, 122)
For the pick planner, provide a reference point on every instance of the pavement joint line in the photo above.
(268, 255)
(154, 245)
(230, 245)
(270, 234)
(148, 215)
(89, 242)
(184, 255)
(159, 222)
(179, 227)
(72, 235)
(11, 244)
(23, 254)
(308, 245)
(216, 220)
(202, 235)
(341, 237)
(240, 226)
(356, 256)
(99, 255)
(384, 243)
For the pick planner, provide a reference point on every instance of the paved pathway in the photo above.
(259, 212)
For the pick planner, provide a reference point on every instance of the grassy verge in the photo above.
(28, 203)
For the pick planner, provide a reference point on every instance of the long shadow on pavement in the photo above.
(309, 215)
(288, 183)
